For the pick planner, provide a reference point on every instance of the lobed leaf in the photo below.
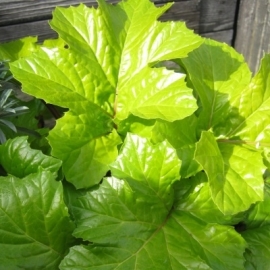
(252, 124)
(104, 74)
(131, 227)
(223, 77)
(133, 230)
(34, 222)
(156, 166)
(86, 158)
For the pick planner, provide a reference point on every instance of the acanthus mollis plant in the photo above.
(164, 169)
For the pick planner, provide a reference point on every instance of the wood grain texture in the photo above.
(38, 26)
(20, 18)
(17, 11)
(217, 15)
(253, 31)
(188, 12)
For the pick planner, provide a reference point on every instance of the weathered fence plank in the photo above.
(38, 28)
(186, 11)
(31, 10)
(20, 18)
(217, 19)
(253, 31)
(15, 12)
(217, 15)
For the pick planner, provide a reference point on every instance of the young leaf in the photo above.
(234, 173)
(19, 160)
(156, 166)
(34, 222)
(105, 74)
(128, 219)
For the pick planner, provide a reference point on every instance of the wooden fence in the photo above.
(253, 31)
(216, 19)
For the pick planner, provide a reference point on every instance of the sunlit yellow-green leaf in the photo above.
(105, 73)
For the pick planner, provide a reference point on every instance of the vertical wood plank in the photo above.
(253, 31)
(217, 15)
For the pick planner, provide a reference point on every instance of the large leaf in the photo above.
(104, 74)
(132, 228)
(250, 123)
(258, 251)
(222, 78)
(235, 173)
(34, 222)
(19, 160)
